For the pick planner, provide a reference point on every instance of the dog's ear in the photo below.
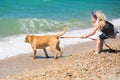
(31, 38)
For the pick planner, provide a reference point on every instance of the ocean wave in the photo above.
(116, 22)
(34, 25)
(16, 26)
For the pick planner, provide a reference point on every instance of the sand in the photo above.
(78, 63)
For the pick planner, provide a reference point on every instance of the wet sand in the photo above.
(24, 66)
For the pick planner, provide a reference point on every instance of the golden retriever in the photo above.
(41, 42)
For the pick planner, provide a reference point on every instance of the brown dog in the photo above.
(41, 42)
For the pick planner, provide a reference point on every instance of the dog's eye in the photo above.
(26, 38)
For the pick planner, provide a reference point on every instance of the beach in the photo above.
(78, 63)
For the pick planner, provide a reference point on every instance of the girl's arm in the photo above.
(91, 33)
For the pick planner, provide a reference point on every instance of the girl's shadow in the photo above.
(111, 51)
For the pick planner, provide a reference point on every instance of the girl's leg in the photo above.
(107, 45)
(99, 45)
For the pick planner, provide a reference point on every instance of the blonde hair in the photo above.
(101, 19)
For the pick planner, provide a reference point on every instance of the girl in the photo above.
(107, 29)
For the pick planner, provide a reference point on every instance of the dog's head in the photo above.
(28, 38)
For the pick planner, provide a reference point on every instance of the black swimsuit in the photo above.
(107, 31)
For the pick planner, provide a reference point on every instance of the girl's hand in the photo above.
(83, 37)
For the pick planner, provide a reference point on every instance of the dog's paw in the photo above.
(61, 56)
(34, 57)
(55, 58)
(47, 57)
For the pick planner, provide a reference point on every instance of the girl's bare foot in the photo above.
(96, 52)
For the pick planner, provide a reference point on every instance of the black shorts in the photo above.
(103, 36)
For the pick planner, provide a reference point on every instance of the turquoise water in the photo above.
(57, 9)
(37, 16)
(40, 17)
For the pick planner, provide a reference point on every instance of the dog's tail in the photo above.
(64, 31)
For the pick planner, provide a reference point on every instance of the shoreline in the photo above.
(24, 62)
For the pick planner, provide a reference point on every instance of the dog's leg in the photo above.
(45, 53)
(34, 53)
(60, 51)
(54, 51)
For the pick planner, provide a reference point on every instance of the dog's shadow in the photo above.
(50, 57)
(111, 51)
(42, 57)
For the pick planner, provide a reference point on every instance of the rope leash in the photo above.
(75, 37)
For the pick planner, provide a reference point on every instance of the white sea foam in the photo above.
(116, 22)
(15, 45)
